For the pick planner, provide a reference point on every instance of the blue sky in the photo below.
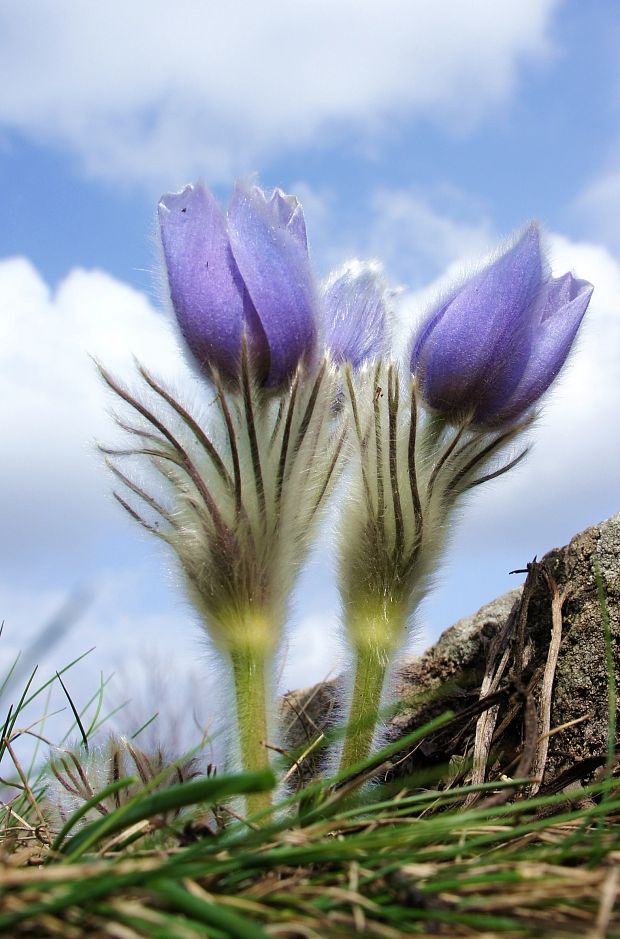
(420, 134)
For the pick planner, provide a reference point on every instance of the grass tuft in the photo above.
(342, 857)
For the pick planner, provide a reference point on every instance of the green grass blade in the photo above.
(211, 914)
(98, 697)
(50, 681)
(145, 725)
(211, 790)
(9, 674)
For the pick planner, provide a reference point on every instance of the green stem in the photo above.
(376, 627)
(370, 670)
(249, 667)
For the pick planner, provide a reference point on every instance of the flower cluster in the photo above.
(304, 385)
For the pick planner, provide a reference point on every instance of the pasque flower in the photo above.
(498, 342)
(246, 273)
(244, 481)
(480, 362)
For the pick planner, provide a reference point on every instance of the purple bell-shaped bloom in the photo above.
(355, 314)
(246, 273)
(495, 345)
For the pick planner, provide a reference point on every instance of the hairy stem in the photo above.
(370, 670)
(249, 667)
(376, 628)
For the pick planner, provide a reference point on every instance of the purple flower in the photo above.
(355, 314)
(496, 344)
(244, 273)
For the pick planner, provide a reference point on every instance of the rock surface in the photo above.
(451, 673)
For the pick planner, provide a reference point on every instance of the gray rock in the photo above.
(449, 675)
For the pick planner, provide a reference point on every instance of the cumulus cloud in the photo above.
(54, 496)
(150, 89)
(598, 208)
(417, 238)
(415, 235)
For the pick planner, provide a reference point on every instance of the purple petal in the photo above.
(473, 351)
(426, 328)
(205, 286)
(355, 314)
(276, 271)
(562, 305)
(290, 214)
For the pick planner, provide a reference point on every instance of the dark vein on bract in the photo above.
(361, 442)
(140, 408)
(488, 451)
(251, 426)
(444, 457)
(378, 445)
(136, 515)
(232, 439)
(137, 490)
(193, 425)
(411, 456)
(137, 431)
(286, 438)
(303, 427)
(393, 396)
(278, 420)
(501, 470)
(183, 459)
(330, 471)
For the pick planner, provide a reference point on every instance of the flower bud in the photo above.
(355, 313)
(495, 346)
(244, 274)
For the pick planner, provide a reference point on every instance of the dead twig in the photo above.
(510, 638)
(558, 598)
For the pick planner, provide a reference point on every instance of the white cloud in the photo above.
(598, 208)
(313, 651)
(62, 532)
(152, 89)
(416, 238)
(54, 493)
(416, 235)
